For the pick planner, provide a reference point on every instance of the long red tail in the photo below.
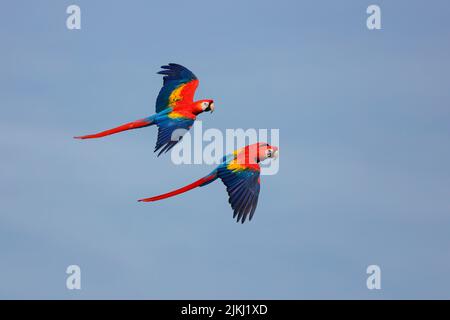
(128, 126)
(201, 182)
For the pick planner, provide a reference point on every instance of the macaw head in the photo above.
(256, 153)
(204, 105)
(266, 151)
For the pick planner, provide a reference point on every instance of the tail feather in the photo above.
(128, 126)
(199, 183)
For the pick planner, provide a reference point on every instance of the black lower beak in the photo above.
(210, 107)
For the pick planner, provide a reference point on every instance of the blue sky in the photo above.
(364, 136)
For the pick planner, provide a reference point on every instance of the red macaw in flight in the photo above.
(239, 172)
(175, 108)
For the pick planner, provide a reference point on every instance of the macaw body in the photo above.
(240, 172)
(175, 109)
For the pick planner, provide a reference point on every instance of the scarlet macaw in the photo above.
(239, 172)
(175, 108)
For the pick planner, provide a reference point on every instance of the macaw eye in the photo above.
(269, 153)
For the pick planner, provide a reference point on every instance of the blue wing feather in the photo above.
(165, 131)
(174, 76)
(243, 191)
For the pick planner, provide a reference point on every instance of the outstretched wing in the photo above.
(169, 135)
(242, 184)
(179, 85)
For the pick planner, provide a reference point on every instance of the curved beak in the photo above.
(275, 153)
(210, 107)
